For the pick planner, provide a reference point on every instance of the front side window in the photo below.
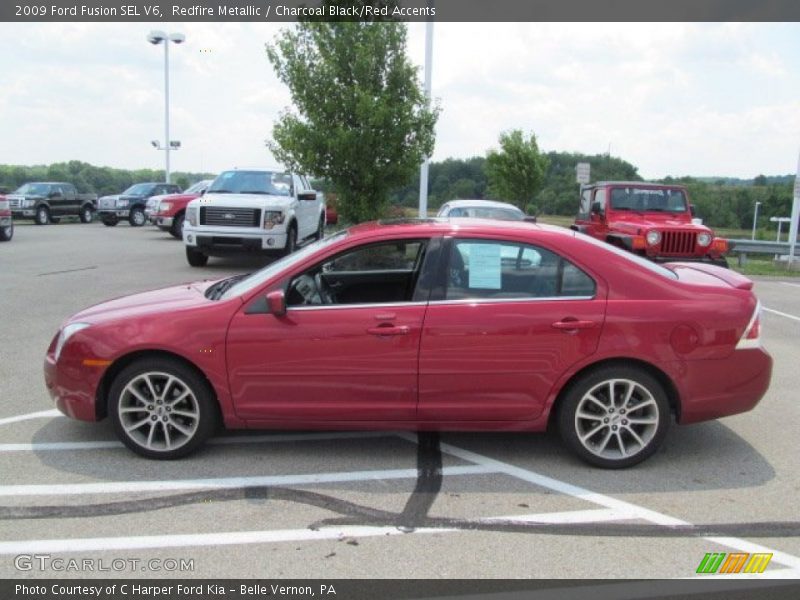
(509, 270)
(374, 274)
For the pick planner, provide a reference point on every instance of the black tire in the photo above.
(87, 214)
(176, 230)
(6, 233)
(320, 228)
(42, 216)
(137, 218)
(163, 434)
(612, 426)
(291, 240)
(110, 222)
(195, 257)
(55, 220)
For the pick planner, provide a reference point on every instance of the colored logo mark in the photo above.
(736, 562)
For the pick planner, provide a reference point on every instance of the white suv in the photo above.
(264, 211)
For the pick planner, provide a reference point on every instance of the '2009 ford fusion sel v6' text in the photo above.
(425, 325)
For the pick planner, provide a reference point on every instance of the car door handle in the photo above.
(389, 330)
(568, 324)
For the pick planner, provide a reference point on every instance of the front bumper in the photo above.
(72, 387)
(6, 221)
(162, 222)
(213, 241)
(23, 213)
(113, 212)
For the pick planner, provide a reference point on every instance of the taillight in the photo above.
(751, 338)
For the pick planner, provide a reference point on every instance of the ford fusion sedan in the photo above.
(483, 209)
(424, 325)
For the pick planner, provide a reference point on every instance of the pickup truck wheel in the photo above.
(320, 228)
(42, 216)
(87, 214)
(176, 230)
(6, 233)
(162, 408)
(195, 257)
(614, 417)
(291, 240)
(110, 221)
(137, 218)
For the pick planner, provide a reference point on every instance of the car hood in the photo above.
(243, 200)
(162, 301)
(634, 221)
(176, 197)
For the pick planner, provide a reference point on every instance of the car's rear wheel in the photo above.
(162, 408)
(42, 216)
(176, 230)
(195, 257)
(137, 217)
(87, 214)
(6, 233)
(614, 417)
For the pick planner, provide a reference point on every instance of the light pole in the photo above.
(155, 38)
(755, 219)
(423, 171)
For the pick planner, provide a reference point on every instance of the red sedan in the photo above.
(444, 325)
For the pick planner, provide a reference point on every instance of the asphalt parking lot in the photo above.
(329, 505)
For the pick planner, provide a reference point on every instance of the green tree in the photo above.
(362, 120)
(516, 171)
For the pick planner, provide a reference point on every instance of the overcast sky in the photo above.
(673, 99)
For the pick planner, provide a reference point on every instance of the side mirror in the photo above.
(597, 208)
(692, 210)
(307, 195)
(276, 302)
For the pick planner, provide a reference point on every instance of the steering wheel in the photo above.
(306, 286)
(323, 289)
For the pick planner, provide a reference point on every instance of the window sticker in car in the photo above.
(485, 266)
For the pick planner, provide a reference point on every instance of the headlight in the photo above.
(28, 203)
(653, 237)
(191, 216)
(66, 333)
(122, 203)
(272, 218)
(704, 239)
(163, 207)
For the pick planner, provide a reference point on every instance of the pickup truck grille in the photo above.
(678, 242)
(220, 216)
(15, 203)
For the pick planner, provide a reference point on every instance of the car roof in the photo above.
(479, 203)
(636, 184)
(444, 226)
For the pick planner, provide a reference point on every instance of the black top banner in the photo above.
(402, 10)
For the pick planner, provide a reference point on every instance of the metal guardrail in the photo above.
(762, 247)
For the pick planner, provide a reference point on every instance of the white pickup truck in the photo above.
(263, 211)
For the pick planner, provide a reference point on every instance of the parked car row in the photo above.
(130, 205)
(46, 202)
(168, 212)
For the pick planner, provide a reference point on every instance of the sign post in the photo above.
(795, 216)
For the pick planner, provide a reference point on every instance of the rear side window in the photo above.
(508, 270)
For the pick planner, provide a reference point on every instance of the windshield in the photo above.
(138, 189)
(259, 277)
(196, 188)
(252, 182)
(487, 212)
(34, 189)
(649, 199)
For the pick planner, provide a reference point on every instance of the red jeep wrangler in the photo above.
(649, 219)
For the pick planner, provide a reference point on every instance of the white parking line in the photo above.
(782, 314)
(791, 284)
(116, 487)
(632, 511)
(35, 415)
(227, 440)
(271, 536)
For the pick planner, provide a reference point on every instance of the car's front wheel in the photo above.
(614, 417)
(42, 216)
(196, 258)
(6, 233)
(176, 230)
(320, 228)
(137, 217)
(291, 240)
(162, 408)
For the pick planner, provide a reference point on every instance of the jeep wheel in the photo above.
(162, 408)
(42, 216)
(87, 214)
(136, 217)
(195, 257)
(6, 233)
(176, 230)
(614, 417)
